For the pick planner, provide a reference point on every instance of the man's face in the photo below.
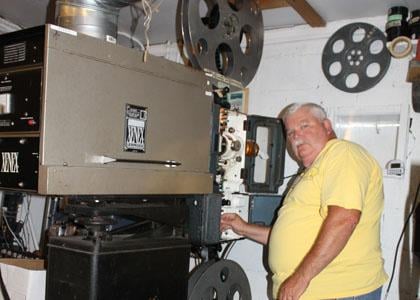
(307, 135)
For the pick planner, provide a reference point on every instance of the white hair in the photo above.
(315, 109)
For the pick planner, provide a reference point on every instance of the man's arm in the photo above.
(335, 231)
(254, 232)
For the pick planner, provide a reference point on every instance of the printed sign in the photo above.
(135, 128)
(9, 162)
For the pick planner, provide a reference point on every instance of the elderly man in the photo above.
(325, 243)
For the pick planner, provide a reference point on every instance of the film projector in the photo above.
(138, 160)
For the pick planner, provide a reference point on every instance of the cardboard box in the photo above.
(24, 278)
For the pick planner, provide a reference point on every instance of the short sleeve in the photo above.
(346, 171)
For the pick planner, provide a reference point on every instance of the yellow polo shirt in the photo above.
(346, 175)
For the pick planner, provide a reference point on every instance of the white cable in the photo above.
(155, 7)
(147, 9)
(19, 213)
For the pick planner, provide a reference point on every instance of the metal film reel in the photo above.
(224, 36)
(355, 57)
(223, 279)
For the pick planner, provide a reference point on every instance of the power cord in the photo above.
(147, 8)
(300, 171)
(4, 292)
(400, 239)
(227, 249)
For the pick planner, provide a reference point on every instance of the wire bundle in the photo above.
(146, 8)
(18, 232)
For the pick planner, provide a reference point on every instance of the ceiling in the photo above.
(28, 13)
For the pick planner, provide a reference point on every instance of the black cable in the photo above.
(228, 245)
(400, 239)
(228, 248)
(14, 234)
(297, 173)
(5, 240)
(28, 202)
(135, 16)
(25, 235)
(4, 292)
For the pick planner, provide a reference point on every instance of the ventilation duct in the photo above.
(97, 18)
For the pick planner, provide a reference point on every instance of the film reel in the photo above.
(355, 58)
(224, 36)
(223, 279)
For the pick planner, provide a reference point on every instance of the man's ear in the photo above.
(328, 127)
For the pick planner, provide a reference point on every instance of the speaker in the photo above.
(121, 268)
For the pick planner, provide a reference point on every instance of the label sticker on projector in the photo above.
(64, 30)
(135, 128)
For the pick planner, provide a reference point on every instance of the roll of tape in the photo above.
(408, 47)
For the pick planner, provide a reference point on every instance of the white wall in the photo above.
(290, 71)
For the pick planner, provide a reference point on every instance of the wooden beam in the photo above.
(303, 8)
(306, 11)
(269, 4)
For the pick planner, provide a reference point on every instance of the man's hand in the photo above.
(234, 222)
(292, 288)
(239, 226)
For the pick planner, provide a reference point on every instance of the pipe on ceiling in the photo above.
(97, 18)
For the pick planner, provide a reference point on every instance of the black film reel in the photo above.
(223, 279)
(355, 57)
(224, 36)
